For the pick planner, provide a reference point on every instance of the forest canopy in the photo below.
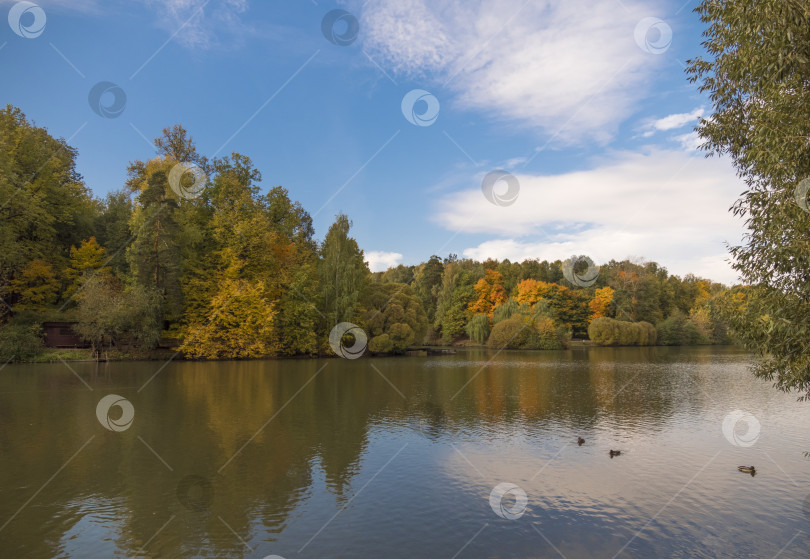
(199, 251)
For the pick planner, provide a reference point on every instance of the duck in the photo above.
(747, 469)
(580, 441)
(615, 453)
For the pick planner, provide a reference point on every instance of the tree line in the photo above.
(193, 249)
(532, 305)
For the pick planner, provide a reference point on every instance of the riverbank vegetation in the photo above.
(196, 251)
(755, 74)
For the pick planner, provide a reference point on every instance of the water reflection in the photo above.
(398, 457)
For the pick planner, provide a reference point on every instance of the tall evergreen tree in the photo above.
(154, 255)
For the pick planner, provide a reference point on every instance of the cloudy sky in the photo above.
(502, 128)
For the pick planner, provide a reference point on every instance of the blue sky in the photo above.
(585, 103)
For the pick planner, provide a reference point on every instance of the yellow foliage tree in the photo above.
(237, 324)
(601, 301)
(86, 261)
(36, 287)
(530, 291)
(703, 295)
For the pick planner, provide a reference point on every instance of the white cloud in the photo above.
(194, 24)
(690, 141)
(198, 23)
(84, 6)
(379, 261)
(667, 206)
(515, 161)
(550, 64)
(671, 122)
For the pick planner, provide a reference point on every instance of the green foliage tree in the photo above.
(294, 273)
(112, 229)
(755, 73)
(154, 255)
(21, 339)
(478, 328)
(234, 280)
(343, 274)
(454, 297)
(512, 333)
(677, 329)
(427, 283)
(127, 318)
(399, 274)
(44, 206)
(505, 310)
(393, 311)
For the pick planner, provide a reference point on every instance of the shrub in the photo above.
(608, 331)
(402, 336)
(648, 334)
(20, 341)
(521, 332)
(512, 333)
(380, 344)
(603, 331)
(550, 336)
(629, 333)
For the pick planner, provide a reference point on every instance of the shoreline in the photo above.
(83, 355)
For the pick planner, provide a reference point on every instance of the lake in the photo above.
(458, 456)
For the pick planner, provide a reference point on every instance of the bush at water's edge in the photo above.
(612, 332)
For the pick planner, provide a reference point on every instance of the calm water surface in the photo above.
(398, 457)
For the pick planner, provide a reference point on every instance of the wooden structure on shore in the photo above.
(61, 334)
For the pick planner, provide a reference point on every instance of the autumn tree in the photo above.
(233, 284)
(36, 287)
(601, 301)
(88, 260)
(46, 207)
(490, 293)
(531, 291)
(239, 324)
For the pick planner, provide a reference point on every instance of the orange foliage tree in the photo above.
(491, 293)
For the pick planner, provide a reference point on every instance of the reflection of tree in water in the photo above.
(197, 416)
(432, 420)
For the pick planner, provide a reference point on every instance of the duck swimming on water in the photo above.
(747, 469)
(615, 453)
(580, 441)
